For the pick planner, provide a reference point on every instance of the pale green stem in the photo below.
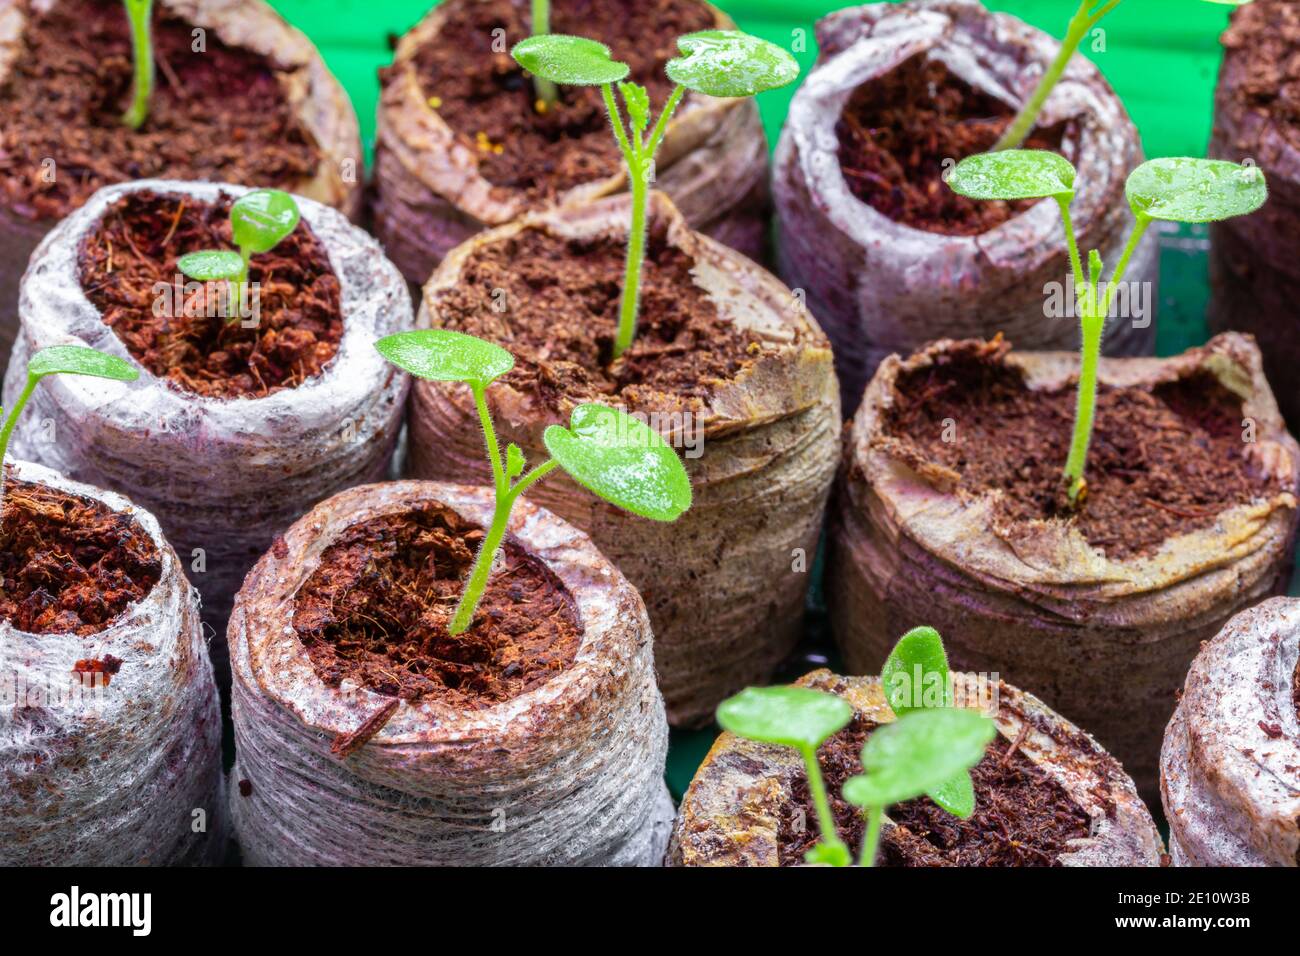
(817, 790)
(1139, 230)
(1076, 264)
(541, 24)
(499, 482)
(661, 125)
(871, 838)
(141, 16)
(10, 422)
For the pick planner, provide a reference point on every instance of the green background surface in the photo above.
(1161, 56)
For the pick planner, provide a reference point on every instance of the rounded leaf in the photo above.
(829, 853)
(573, 61)
(445, 356)
(915, 675)
(791, 716)
(917, 753)
(1195, 190)
(1013, 174)
(955, 795)
(621, 460)
(79, 360)
(260, 219)
(211, 265)
(731, 63)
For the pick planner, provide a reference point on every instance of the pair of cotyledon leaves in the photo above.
(713, 62)
(606, 451)
(259, 221)
(1175, 189)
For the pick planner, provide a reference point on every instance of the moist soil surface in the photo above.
(469, 76)
(376, 612)
(1267, 34)
(220, 115)
(896, 132)
(70, 565)
(561, 316)
(1164, 461)
(1022, 817)
(183, 336)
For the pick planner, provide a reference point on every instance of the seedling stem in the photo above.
(547, 94)
(140, 13)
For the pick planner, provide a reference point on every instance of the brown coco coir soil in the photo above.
(487, 99)
(561, 316)
(896, 132)
(132, 252)
(376, 611)
(1164, 461)
(1022, 817)
(219, 115)
(1268, 34)
(70, 565)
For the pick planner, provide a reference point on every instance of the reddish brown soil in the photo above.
(1295, 691)
(486, 98)
(561, 316)
(897, 131)
(376, 612)
(132, 252)
(1267, 34)
(1164, 461)
(220, 115)
(1022, 817)
(70, 565)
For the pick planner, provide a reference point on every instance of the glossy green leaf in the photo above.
(956, 795)
(445, 356)
(79, 360)
(621, 460)
(211, 265)
(574, 61)
(638, 105)
(918, 753)
(261, 219)
(1195, 190)
(915, 675)
(791, 716)
(1013, 174)
(829, 853)
(731, 63)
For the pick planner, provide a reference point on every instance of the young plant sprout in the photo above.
(56, 360)
(541, 22)
(928, 750)
(615, 457)
(722, 63)
(259, 221)
(1172, 190)
(140, 14)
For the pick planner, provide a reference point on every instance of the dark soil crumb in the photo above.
(1267, 34)
(486, 98)
(896, 132)
(132, 252)
(376, 612)
(1022, 817)
(562, 301)
(70, 565)
(1164, 461)
(220, 116)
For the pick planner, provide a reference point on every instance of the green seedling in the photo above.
(140, 14)
(722, 63)
(546, 92)
(60, 360)
(612, 455)
(1172, 190)
(259, 221)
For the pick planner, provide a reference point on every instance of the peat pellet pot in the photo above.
(726, 364)
(365, 734)
(949, 514)
(460, 146)
(1254, 270)
(110, 737)
(234, 427)
(889, 256)
(240, 97)
(1230, 767)
(1046, 794)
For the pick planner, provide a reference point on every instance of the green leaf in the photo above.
(211, 265)
(514, 461)
(1195, 190)
(829, 853)
(918, 753)
(260, 219)
(731, 63)
(1013, 174)
(574, 61)
(916, 672)
(621, 460)
(79, 360)
(791, 716)
(638, 105)
(955, 795)
(445, 356)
